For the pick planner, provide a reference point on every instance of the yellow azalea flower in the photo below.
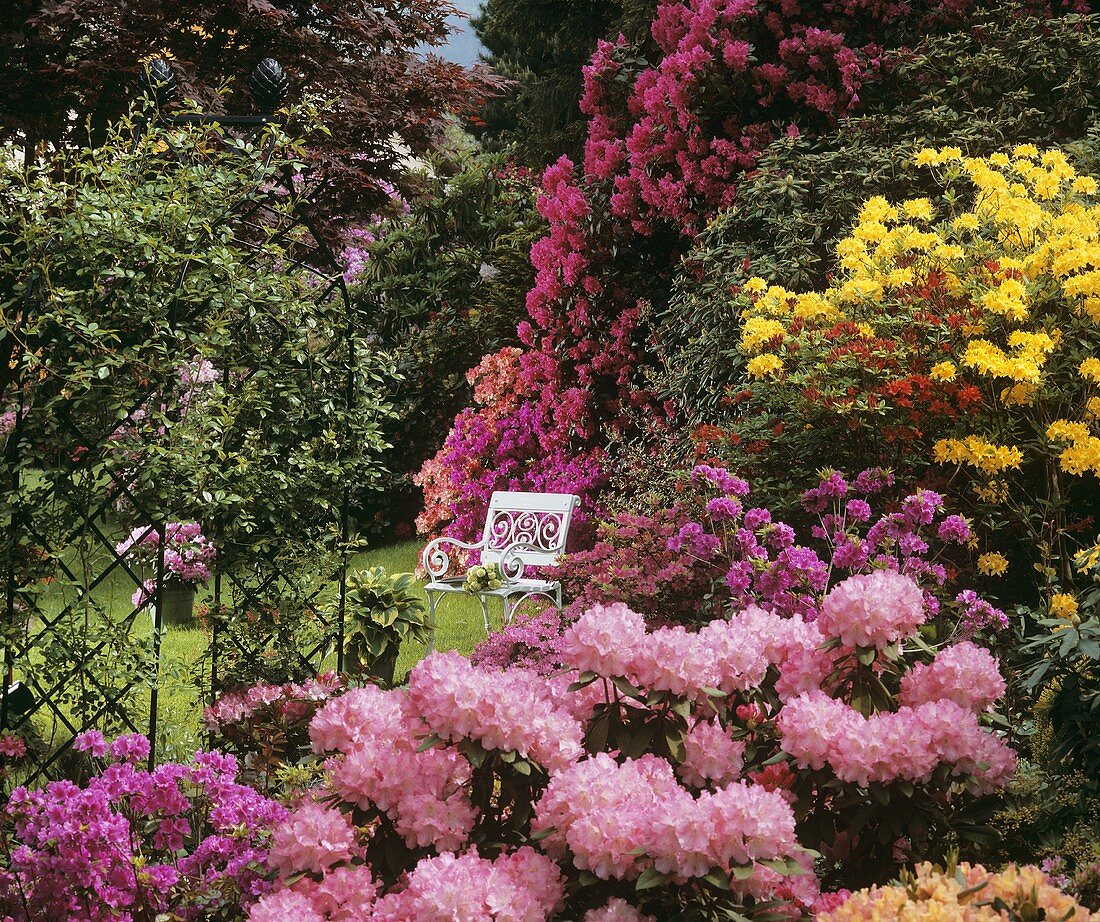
(1085, 185)
(1019, 395)
(927, 157)
(877, 209)
(759, 330)
(811, 306)
(870, 231)
(993, 564)
(995, 491)
(1090, 368)
(859, 289)
(1062, 605)
(1091, 309)
(764, 365)
(1092, 407)
(968, 222)
(1063, 430)
(755, 285)
(943, 371)
(919, 208)
(1025, 150)
(979, 453)
(1081, 457)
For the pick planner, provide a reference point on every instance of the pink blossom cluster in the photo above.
(726, 655)
(377, 735)
(964, 673)
(345, 894)
(618, 819)
(132, 844)
(873, 609)
(616, 910)
(519, 886)
(711, 755)
(906, 744)
(290, 702)
(311, 840)
(510, 711)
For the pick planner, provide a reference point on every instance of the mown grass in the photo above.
(179, 709)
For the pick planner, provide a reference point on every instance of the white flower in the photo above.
(488, 272)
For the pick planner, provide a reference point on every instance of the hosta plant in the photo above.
(384, 610)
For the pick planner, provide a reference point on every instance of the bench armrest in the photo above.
(437, 561)
(511, 564)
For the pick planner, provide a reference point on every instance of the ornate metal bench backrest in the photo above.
(538, 522)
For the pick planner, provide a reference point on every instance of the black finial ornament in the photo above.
(269, 85)
(158, 81)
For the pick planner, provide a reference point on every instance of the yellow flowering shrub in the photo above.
(962, 330)
(964, 893)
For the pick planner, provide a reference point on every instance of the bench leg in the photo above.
(484, 612)
(434, 598)
(507, 600)
(557, 596)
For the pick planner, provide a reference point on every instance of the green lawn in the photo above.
(179, 708)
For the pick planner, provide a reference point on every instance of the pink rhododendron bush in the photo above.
(741, 767)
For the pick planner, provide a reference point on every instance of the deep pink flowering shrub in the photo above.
(508, 442)
(668, 139)
(664, 769)
(131, 844)
(713, 550)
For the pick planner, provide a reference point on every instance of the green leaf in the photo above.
(650, 878)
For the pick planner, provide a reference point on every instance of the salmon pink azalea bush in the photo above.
(662, 770)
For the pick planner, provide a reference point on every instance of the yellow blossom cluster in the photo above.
(1024, 364)
(1063, 605)
(1011, 256)
(978, 453)
(993, 564)
(764, 365)
(1082, 449)
(968, 893)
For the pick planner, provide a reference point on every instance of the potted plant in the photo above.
(383, 611)
(187, 558)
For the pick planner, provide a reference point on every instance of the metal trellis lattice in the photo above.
(68, 532)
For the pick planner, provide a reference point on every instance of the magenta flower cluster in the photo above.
(132, 844)
(188, 555)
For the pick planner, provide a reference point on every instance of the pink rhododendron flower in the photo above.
(873, 609)
(710, 755)
(521, 886)
(312, 839)
(964, 673)
(509, 711)
(617, 910)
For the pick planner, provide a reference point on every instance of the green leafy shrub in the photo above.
(1008, 79)
(383, 611)
(442, 286)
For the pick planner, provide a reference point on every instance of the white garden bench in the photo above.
(522, 530)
